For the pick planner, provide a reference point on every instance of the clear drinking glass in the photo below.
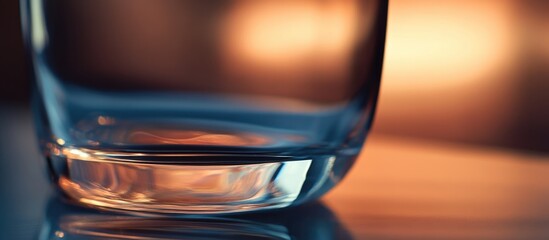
(189, 106)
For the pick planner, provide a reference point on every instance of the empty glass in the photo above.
(188, 106)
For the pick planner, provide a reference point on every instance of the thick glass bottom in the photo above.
(191, 184)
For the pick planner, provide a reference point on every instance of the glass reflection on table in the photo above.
(312, 221)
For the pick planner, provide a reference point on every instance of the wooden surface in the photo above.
(412, 189)
(401, 188)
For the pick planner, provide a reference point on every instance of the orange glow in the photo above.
(104, 121)
(291, 39)
(271, 33)
(297, 49)
(450, 69)
(444, 44)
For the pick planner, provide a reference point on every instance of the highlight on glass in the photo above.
(187, 106)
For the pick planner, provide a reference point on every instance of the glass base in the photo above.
(189, 184)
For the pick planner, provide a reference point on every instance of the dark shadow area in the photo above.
(15, 84)
(529, 126)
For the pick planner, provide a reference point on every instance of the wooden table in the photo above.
(401, 188)
(411, 189)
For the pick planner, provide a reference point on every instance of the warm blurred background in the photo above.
(456, 70)
(470, 71)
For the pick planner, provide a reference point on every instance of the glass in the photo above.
(187, 106)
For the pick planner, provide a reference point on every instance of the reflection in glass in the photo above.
(310, 221)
